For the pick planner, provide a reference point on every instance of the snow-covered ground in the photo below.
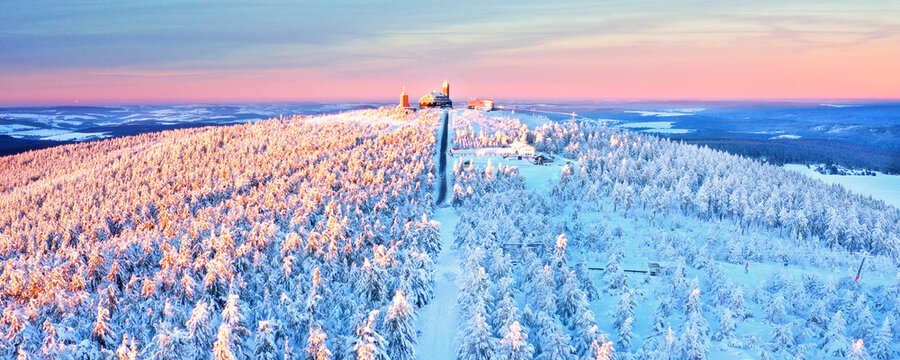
(658, 127)
(76, 136)
(785, 136)
(881, 186)
(657, 113)
(5, 129)
(57, 135)
(438, 323)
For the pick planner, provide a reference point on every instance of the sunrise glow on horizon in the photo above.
(182, 51)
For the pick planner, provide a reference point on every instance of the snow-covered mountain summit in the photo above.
(318, 237)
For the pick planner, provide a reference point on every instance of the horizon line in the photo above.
(89, 103)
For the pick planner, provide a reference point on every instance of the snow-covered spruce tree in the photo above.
(555, 345)
(420, 270)
(222, 347)
(625, 309)
(505, 314)
(775, 313)
(400, 332)
(882, 342)
(890, 298)
(626, 334)
(835, 343)
(782, 339)
(368, 343)
(723, 293)
(693, 315)
(817, 320)
(428, 235)
(797, 300)
(101, 332)
(500, 266)
(503, 287)
(476, 341)
(738, 306)
(693, 346)
(725, 334)
(530, 322)
(715, 282)
(602, 350)
(857, 351)
(316, 347)
(199, 326)
(528, 269)
(543, 294)
(614, 279)
(583, 339)
(669, 347)
(571, 301)
(681, 285)
(266, 347)
(659, 326)
(168, 343)
(865, 325)
(514, 345)
(583, 274)
(475, 290)
(370, 282)
(558, 261)
(127, 349)
(233, 315)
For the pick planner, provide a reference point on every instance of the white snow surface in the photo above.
(657, 127)
(39, 133)
(437, 320)
(881, 186)
(77, 136)
(657, 113)
(58, 135)
(4, 129)
(648, 125)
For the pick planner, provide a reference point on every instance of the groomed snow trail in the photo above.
(437, 320)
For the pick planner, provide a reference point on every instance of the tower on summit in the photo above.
(437, 99)
(404, 101)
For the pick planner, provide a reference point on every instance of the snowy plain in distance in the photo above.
(881, 186)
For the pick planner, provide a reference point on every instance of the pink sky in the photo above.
(752, 50)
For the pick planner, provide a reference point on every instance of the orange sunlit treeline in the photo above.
(221, 241)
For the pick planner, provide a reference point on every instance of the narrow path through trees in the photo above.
(442, 161)
(437, 321)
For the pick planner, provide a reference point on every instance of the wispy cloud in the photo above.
(343, 40)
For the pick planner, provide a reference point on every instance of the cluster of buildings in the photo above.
(516, 150)
(441, 99)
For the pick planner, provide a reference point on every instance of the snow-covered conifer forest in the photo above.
(318, 238)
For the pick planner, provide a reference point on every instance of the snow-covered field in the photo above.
(658, 127)
(881, 186)
(657, 113)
